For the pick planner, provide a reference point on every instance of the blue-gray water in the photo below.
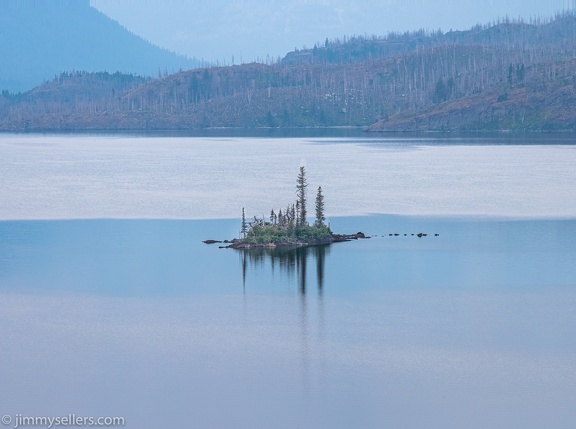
(138, 318)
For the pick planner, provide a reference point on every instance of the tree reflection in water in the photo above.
(292, 261)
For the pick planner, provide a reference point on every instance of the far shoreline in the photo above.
(301, 132)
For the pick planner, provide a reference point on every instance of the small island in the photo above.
(289, 226)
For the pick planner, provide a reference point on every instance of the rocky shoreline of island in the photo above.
(241, 244)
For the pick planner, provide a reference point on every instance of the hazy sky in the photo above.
(250, 29)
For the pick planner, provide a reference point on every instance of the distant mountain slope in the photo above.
(252, 29)
(507, 76)
(543, 101)
(558, 35)
(41, 39)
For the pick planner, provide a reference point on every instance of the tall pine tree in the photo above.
(301, 185)
(319, 208)
(244, 228)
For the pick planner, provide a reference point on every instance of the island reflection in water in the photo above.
(292, 262)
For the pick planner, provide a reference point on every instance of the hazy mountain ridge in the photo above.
(229, 32)
(507, 76)
(558, 34)
(41, 39)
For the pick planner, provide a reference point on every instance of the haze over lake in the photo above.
(112, 305)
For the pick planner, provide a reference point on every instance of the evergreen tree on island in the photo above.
(301, 185)
(244, 228)
(320, 218)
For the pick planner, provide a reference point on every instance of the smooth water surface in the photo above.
(138, 318)
(71, 177)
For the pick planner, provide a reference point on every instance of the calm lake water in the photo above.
(112, 305)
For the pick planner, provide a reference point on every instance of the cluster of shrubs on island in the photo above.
(289, 225)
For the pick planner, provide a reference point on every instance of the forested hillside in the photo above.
(511, 75)
(41, 39)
